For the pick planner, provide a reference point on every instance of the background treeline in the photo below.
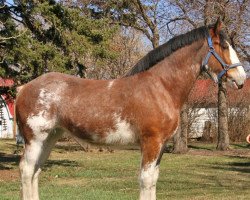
(41, 36)
(103, 38)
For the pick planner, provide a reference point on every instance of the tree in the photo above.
(147, 16)
(129, 47)
(223, 137)
(41, 36)
(181, 135)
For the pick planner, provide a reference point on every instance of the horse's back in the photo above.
(58, 100)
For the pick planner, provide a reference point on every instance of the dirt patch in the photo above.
(9, 167)
(9, 175)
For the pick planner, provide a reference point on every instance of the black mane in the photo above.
(164, 50)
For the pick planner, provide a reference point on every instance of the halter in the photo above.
(211, 52)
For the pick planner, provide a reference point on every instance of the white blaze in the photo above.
(240, 77)
(110, 84)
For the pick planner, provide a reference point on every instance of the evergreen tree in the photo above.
(41, 36)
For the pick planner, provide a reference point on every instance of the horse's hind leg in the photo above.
(35, 154)
(28, 166)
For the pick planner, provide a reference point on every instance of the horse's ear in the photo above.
(218, 26)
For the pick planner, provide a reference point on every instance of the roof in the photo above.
(6, 97)
(6, 82)
(9, 102)
(205, 93)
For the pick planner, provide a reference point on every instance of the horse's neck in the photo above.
(179, 71)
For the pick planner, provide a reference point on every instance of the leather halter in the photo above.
(211, 52)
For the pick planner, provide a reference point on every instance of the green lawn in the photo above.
(112, 176)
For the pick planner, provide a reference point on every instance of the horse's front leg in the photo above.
(151, 149)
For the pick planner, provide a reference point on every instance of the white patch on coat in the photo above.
(46, 96)
(110, 84)
(148, 178)
(122, 134)
(240, 77)
(40, 122)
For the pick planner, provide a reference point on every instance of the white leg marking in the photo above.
(28, 168)
(34, 157)
(148, 179)
(35, 185)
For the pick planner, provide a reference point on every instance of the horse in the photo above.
(141, 107)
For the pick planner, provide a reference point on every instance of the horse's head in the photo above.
(222, 60)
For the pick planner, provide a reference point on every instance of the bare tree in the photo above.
(181, 135)
(223, 137)
(129, 48)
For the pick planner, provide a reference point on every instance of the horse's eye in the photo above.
(224, 46)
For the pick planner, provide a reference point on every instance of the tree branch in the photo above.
(137, 27)
(179, 19)
(144, 15)
(12, 37)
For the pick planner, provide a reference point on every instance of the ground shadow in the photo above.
(8, 161)
(64, 163)
(69, 148)
(11, 161)
(199, 147)
(241, 146)
(243, 167)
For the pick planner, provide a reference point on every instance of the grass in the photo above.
(113, 176)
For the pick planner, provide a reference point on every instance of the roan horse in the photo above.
(142, 107)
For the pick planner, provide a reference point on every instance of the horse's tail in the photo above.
(18, 89)
(14, 122)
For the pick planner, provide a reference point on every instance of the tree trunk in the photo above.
(180, 138)
(223, 138)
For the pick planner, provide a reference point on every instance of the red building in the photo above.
(6, 110)
(203, 101)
